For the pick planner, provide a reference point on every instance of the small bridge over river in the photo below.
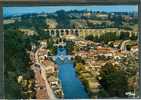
(61, 57)
(60, 44)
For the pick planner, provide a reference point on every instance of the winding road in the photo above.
(43, 73)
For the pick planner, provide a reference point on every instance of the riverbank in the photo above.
(88, 79)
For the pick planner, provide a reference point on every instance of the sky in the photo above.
(8, 11)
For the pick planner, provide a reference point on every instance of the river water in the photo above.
(72, 86)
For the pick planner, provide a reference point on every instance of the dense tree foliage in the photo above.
(16, 63)
(113, 81)
(79, 59)
(70, 47)
(110, 36)
(62, 19)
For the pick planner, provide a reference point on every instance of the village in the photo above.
(92, 57)
(98, 55)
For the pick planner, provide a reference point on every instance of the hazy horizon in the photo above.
(12, 11)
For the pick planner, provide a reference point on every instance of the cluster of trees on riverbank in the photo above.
(117, 80)
(114, 82)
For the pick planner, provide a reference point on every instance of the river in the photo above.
(72, 86)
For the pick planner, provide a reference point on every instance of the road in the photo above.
(43, 73)
(49, 90)
(123, 47)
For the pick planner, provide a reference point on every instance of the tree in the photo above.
(117, 21)
(134, 37)
(89, 37)
(62, 19)
(124, 35)
(70, 46)
(113, 80)
(79, 59)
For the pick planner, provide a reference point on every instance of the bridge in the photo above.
(60, 44)
(61, 57)
(85, 32)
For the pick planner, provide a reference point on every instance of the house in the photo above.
(50, 66)
(103, 16)
(135, 49)
(20, 78)
(28, 32)
(43, 43)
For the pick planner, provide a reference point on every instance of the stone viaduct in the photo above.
(85, 32)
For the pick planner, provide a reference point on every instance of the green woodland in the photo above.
(16, 63)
